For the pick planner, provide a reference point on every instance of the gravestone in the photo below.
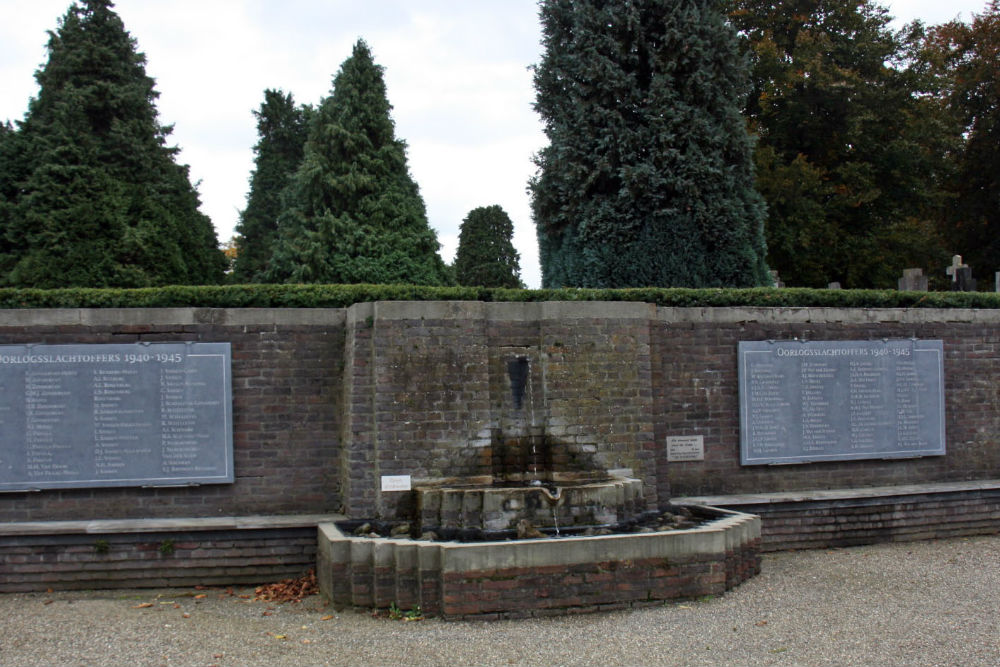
(913, 280)
(833, 285)
(961, 276)
(776, 279)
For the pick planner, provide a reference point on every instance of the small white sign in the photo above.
(395, 482)
(686, 448)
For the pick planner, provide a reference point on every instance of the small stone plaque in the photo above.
(840, 400)
(686, 448)
(145, 414)
(396, 483)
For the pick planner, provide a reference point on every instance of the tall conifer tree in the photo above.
(647, 179)
(100, 199)
(282, 128)
(486, 256)
(352, 213)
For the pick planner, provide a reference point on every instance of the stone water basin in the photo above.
(539, 577)
(562, 501)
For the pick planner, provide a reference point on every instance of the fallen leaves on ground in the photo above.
(288, 590)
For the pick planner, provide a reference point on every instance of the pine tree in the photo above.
(486, 256)
(100, 199)
(852, 141)
(282, 128)
(352, 213)
(10, 162)
(647, 179)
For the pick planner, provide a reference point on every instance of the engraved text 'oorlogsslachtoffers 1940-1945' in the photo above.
(144, 414)
(840, 400)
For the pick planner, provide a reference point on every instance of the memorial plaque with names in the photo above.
(840, 400)
(144, 414)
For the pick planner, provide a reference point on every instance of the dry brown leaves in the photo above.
(288, 590)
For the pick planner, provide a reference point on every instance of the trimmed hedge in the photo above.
(341, 296)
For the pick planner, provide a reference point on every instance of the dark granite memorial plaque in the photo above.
(145, 414)
(840, 400)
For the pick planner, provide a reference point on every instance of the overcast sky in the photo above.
(456, 73)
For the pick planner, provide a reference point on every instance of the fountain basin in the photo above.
(564, 502)
(539, 577)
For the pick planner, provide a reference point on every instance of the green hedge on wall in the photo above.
(340, 296)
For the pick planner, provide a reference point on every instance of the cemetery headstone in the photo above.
(913, 280)
(961, 276)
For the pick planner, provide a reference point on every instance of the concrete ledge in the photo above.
(111, 526)
(512, 311)
(159, 317)
(786, 315)
(517, 311)
(821, 495)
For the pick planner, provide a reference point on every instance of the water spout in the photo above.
(552, 497)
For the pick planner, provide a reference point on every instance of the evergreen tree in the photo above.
(10, 160)
(851, 141)
(100, 200)
(647, 179)
(486, 256)
(352, 213)
(969, 54)
(282, 128)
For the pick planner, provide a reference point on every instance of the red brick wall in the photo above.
(326, 401)
(286, 389)
(144, 560)
(696, 393)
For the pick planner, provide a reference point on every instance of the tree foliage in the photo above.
(352, 213)
(93, 195)
(486, 256)
(647, 179)
(967, 55)
(282, 128)
(853, 139)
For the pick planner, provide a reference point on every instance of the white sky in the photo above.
(456, 73)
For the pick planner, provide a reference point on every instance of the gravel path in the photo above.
(926, 603)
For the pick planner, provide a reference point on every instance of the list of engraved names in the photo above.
(112, 415)
(834, 400)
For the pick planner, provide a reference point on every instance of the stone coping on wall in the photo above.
(826, 315)
(35, 317)
(111, 526)
(839, 494)
(392, 310)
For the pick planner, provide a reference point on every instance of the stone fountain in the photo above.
(532, 425)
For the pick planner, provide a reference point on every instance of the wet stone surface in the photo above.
(670, 518)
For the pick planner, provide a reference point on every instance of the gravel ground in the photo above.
(926, 603)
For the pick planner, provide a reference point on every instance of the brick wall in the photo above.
(697, 394)
(285, 368)
(325, 401)
(154, 560)
(430, 394)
